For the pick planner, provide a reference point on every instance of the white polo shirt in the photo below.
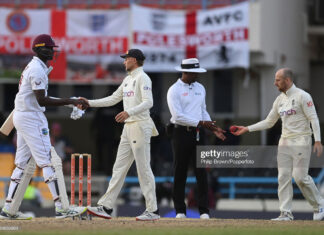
(33, 77)
(187, 103)
(136, 93)
(296, 110)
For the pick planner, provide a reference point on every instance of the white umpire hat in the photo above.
(190, 65)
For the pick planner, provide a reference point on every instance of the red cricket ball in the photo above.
(233, 129)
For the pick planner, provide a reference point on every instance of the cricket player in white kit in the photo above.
(33, 141)
(296, 109)
(136, 94)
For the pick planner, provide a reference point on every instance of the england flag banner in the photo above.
(219, 38)
(86, 38)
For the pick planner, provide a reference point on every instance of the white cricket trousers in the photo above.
(134, 145)
(32, 138)
(293, 161)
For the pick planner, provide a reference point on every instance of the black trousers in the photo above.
(184, 151)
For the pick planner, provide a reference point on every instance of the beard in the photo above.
(283, 89)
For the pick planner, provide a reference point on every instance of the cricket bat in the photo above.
(8, 125)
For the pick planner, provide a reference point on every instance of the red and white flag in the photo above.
(82, 35)
(218, 37)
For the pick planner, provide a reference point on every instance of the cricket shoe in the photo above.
(100, 211)
(70, 212)
(181, 216)
(148, 216)
(4, 215)
(320, 214)
(284, 216)
(204, 216)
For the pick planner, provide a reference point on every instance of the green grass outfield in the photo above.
(164, 226)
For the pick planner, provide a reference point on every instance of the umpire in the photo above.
(186, 101)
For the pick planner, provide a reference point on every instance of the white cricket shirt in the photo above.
(136, 93)
(296, 110)
(187, 103)
(33, 77)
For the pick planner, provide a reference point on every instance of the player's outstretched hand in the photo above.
(220, 133)
(238, 130)
(318, 148)
(121, 117)
(211, 125)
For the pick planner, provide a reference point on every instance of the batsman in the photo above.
(33, 141)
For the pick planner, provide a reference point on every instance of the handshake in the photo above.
(80, 102)
(79, 106)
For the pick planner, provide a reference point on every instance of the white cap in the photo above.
(190, 65)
